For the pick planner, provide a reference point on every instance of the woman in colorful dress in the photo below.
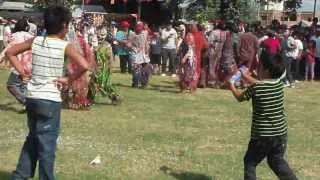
(216, 41)
(78, 92)
(15, 85)
(189, 73)
(139, 46)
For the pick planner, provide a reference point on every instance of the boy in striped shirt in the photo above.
(269, 126)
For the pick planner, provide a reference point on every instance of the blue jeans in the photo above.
(16, 87)
(40, 144)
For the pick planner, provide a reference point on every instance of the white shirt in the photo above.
(33, 29)
(291, 47)
(48, 60)
(172, 36)
(1, 32)
(6, 35)
(299, 47)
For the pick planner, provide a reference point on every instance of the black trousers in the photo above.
(125, 64)
(296, 69)
(288, 64)
(272, 148)
(317, 67)
(170, 54)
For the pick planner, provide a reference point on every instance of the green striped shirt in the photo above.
(268, 117)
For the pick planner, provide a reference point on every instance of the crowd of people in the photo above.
(204, 56)
(198, 55)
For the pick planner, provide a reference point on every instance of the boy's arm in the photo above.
(12, 53)
(236, 93)
(248, 93)
(246, 75)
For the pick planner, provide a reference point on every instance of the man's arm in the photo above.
(76, 58)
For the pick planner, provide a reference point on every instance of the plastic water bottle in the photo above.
(237, 76)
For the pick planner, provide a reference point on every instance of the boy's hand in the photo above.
(62, 83)
(247, 76)
(245, 73)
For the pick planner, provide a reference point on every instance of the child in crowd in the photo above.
(310, 56)
(269, 125)
(43, 100)
(15, 85)
(156, 53)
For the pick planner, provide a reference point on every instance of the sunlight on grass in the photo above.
(158, 133)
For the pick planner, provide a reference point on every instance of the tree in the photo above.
(234, 10)
(40, 4)
(204, 14)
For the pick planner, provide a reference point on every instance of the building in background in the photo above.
(276, 10)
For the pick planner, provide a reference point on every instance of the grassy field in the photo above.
(159, 134)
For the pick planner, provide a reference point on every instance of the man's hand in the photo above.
(25, 78)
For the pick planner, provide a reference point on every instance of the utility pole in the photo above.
(139, 10)
(267, 11)
(314, 8)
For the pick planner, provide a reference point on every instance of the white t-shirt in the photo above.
(172, 36)
(299, 47)
(291, 47)
(33, 29)
(6, 35)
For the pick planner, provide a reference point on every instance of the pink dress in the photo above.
(26, 57)
(80, 85)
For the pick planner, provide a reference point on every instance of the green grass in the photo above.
(198, 136)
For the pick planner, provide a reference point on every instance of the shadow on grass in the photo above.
(8, 107)
(171, 82)
(184, 175)
(5, 175)
(153, 87)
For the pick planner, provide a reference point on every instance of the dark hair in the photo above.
(313, 43)
(21, 25)
(273, 63)
(55, 18)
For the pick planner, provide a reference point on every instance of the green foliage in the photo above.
(204, 14)
(40, 4)
(235, 10)
(247, 10)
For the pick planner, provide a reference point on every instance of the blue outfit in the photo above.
(121, 50)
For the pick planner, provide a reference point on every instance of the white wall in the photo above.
(274, 6)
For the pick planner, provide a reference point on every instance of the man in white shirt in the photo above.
(297, 56)
(6, 34)
(169, 49)
(288, 46)
(32, 28)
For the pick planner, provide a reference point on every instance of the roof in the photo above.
(17, 6)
